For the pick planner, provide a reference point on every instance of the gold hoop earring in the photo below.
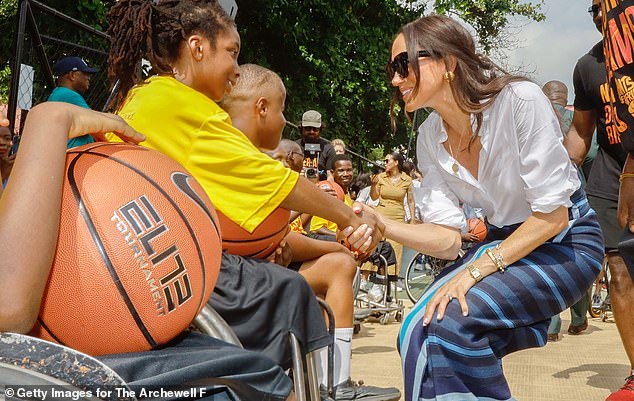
(449, 76)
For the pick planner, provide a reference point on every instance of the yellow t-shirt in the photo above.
(243, 183)
(318, 222)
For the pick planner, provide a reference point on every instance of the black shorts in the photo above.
(197, 360)
(263, 303)
(606, 213)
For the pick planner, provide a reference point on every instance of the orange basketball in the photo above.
(138, 252)
(477, 227)
(325, 184)
(261, 242)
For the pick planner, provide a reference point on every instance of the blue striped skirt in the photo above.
(459, 358)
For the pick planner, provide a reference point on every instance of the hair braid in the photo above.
(155, 30)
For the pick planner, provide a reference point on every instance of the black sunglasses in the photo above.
(594, 9)
(400, 64)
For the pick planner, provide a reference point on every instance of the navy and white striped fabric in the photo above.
(459, 358)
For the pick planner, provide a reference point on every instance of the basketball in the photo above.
(477, 227)
(325, 184)
(138, 252)
(261, 242)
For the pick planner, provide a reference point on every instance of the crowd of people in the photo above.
(495, 142)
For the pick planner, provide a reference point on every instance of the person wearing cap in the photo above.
(73, 80)
(320, 158)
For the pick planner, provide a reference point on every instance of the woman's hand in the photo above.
(456, 288)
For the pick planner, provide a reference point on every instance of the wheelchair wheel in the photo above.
(30, 361)
(421, 272)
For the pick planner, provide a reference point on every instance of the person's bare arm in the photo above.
(374, 188)
(367, 230)
(626, 197)
(411, 205)
(30, 205)
(536, 230)
(579, 138)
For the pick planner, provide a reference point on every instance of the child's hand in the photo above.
(283, 254)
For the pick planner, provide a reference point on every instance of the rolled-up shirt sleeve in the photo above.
(544, 164)
(436, 202)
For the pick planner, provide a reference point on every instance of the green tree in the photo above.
(490, 18)
(331, 55)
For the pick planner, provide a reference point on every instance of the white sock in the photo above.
(321, 359)
(343, 353)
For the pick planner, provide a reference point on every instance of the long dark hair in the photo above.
(398, 157)
(155, 30)
(477, 80)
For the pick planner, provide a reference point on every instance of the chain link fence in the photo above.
(44, 36)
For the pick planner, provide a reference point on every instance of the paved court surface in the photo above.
(577, 368)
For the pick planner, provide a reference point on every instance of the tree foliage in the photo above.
(490, 18)
(330, 54)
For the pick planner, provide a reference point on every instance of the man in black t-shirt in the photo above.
(617, 27)
(593, 110)
(318, 152)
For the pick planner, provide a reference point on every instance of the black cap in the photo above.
(70, 63)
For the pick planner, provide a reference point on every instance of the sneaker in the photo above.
(351, 391)
(626, 393)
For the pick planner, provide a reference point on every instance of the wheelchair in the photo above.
(31, 361)
(388, 306)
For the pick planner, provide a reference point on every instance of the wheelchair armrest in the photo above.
(211, 323)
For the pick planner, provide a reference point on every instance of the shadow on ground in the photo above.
(372, 349)
(603, 377)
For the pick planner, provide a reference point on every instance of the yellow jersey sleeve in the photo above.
(243, 183)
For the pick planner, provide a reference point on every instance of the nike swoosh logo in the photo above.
(341, 339)
(181, 181)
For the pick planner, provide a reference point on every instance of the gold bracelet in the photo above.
(501, 264)
(626, 175)
(489, 253)
(498, 260)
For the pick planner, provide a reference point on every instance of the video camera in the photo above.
(311, 152)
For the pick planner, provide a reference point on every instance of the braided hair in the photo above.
(155, 30)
